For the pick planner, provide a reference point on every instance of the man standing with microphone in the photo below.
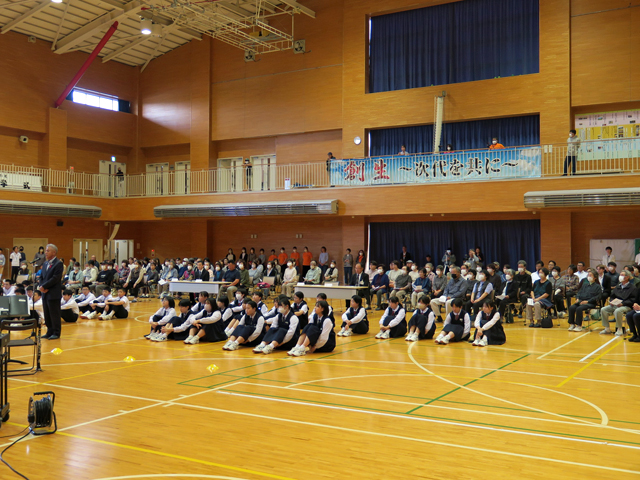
(51, 288)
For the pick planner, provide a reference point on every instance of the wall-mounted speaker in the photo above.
(59, 223)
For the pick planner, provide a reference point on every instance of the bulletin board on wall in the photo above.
(608, 125)
(624, 251)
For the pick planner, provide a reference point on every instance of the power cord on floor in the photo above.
(15, 434)
(7, 448)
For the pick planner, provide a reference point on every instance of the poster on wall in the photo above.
(608, 125)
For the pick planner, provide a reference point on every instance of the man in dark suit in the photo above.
(361, 279)
(51, 288)
(605, 281)
(405, 256)
(201, 273)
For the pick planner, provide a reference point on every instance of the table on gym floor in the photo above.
(190, 286)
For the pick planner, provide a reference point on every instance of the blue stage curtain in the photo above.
(511, 132)
(502, 241)
(452, 43)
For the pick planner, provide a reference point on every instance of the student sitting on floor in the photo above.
(354, 320)
(37, 305)
(301, 309)
(225, 311)
(393, 323)
(116, 307)
(84, 300)
(257, 297)
(69, 310)
(488, 325)
(284, 331)
(171, 330)
(422, 324)
(199, 305)
(162, 316)
(250, 329)
(208, 324)
(273, 313)
(457, 325)
(237, 316)
(318, 335)
(237, 306)
(8, 290)
(323, 296)
(98, 305)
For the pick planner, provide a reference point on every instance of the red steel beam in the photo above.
(86, 64)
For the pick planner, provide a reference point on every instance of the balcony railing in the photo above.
(620, 156)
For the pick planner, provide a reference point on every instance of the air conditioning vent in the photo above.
(320, 207)
(610, 197)
(49, 209)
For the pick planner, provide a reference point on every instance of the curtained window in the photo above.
(511, 132)
(452, 43)
(504, 241)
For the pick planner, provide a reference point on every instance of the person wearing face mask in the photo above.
(431, 274)
(573, 147)
(557, 285)
(448, 259)
(472, 259)
(422, 325)
(508, 296)
(534, 274)
(613, 273)
(245, 279)
(421, 287)
(105, 277)
(439, 282)
(456, 288)
(541, 298)
(495, 145)
(253, 273)
(402, 285)
(24, 275)
(271, 271)
(525, 285)
(413, 270)
(218, 274)
(136, 276)
(169, 272)
(621, 301)
(585, 299)
(380, 286)
(284, 331)
(289, 279)
(354, 320)
(313, 275)
(470, 277)
(360, 258)
(75, 279)
(481, 290)
(331, 273)
(494, 278)
(633, 318)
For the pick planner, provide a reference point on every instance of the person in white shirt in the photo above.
(161, 317)
(250, 330)
(84, 300)
(8, 290)
(69, 310)
(208, 324)
(534, 275)
(413, 270)
(289, 279)
(403, 151)
(318, 334)
(3, 261)
(37, 305)
(15, 259)
(637, 258)
(116, 307)
(393, 323)
(422, 324)
(456, 326)
(582, 272)
(98, 304)
(354, 320)
(283, 332)
(609, 256)
(488, 325)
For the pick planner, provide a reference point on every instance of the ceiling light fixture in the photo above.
(145, 26)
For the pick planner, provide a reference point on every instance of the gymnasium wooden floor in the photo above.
(547, 404)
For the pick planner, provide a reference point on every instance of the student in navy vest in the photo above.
(457, 325)
(257, 297)
(422, 324)
(318, 335)
(208, 324)
(354, 320)
(171, 330)
(51, 289)
(250, 329)
(283, 333)
(393, 323)
(301, 309)
(489, 329)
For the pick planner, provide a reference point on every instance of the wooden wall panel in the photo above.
(308, 147)
(246, 147)
(555, 236)
(98, 125)
(14, 152)
(604, 57)
(586, 7)
(169, 238)
(84, 156)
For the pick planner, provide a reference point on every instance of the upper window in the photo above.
(452, 43)
(100, 100)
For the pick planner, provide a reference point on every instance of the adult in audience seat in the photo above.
(331, 273)
(604, 280)
(612, 272)
(380, 286)
(360, 279)
(289, 279)
(582, 271)
(420, 287)
(586, 299)
(557, 286)
(621, 301)
(541, 298)
(402, 284)
(312, 277)
(525, 285)
(439, 282)
(508, 295)
(456, 288)
(232, 275)
(633, 318)
(571, 284)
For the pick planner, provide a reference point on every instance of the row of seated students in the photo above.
(293, 327)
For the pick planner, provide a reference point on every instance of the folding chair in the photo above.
(32, 326)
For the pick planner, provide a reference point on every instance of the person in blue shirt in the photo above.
(421, 286)
(380, 285)
(232, 275)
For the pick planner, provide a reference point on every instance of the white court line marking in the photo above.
(563, 345)
(414, 404)
(604, 419)
(420, 440)
(598, 349)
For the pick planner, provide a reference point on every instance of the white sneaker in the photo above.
(292, 351)
(347, 333)
(341, 333)
(92, 315)
(605, 331)
(445, 340)
(476, 342)
(228, 332)
(267, 349)
(385, 334)
(577, 328)
(227, 345)
(300, 352)
(109, 316)
(102, 316)
(379, 335)
(619, 332)
(439, 339)
(483, 342)
(409, 337)
(259, 348)
(571, 327)
(233, 346)
(195, 340)
(149, 335)
(188, 339)
(160, 338)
